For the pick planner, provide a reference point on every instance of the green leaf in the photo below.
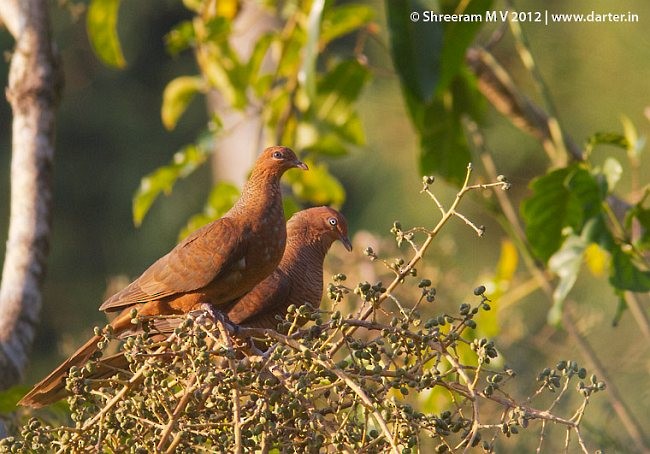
(416, 47)
(101, 23)
(566, 197)
(339, 89)
(565, 263)
(257, 56)
(625, 274)
(222, 197)
(613, 171)
(606, 138)
(180, 37)
(642, 215)
(443, 146)
(343, 19)
(177, 96)
(636, 143)
(457, 37)
(326, 144)
(163, 179)
(318, 186)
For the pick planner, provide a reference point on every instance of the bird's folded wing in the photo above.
(264, 300)
(191, 265)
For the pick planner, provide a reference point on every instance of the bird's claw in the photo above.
(208, 311)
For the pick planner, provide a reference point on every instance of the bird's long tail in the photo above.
(52, 387)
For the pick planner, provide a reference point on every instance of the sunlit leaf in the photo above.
(636, 144)
(327, 144)
(290, 60)
(101, 23)
(194, 5)
(257, 56)
(566, 197)
(606, 138)
(162, 180)
(227, 8)
(318, 186)
(180, 37)
(596, 259)
(177, 96)
(565, 263)
(343, 19)
(222, 197)
(613, 171)
(339, 89)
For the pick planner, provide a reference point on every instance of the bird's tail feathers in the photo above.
(52, 387)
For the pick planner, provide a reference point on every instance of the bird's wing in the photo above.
(191, 265)
(271, 293)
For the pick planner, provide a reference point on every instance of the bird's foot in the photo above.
(208, 311)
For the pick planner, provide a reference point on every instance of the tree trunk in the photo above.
(33, 92)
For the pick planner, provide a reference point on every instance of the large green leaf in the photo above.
(566, 197)
(443, 146)
(457, 37)
(428, 56)
(177, 96)
(416, 47)
(162, 180)
(101, 23)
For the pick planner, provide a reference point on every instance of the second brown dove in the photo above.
(298, 280)
(215, 265)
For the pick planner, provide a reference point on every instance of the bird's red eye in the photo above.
(277, 155)
(332, 221)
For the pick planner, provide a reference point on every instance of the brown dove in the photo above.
(214, 266)
(299, 277)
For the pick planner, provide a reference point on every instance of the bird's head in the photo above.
(279, 159)
(324, 224)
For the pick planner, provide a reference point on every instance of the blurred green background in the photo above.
(110, 135)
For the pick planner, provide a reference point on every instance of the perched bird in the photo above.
(214, 266)
(299, 277)
(297, 280)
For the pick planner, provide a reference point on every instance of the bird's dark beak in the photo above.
(300, 165)
(346, 242)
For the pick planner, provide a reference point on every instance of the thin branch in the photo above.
(629, 422)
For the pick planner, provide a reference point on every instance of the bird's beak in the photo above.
(300, 165)
(346, 242)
